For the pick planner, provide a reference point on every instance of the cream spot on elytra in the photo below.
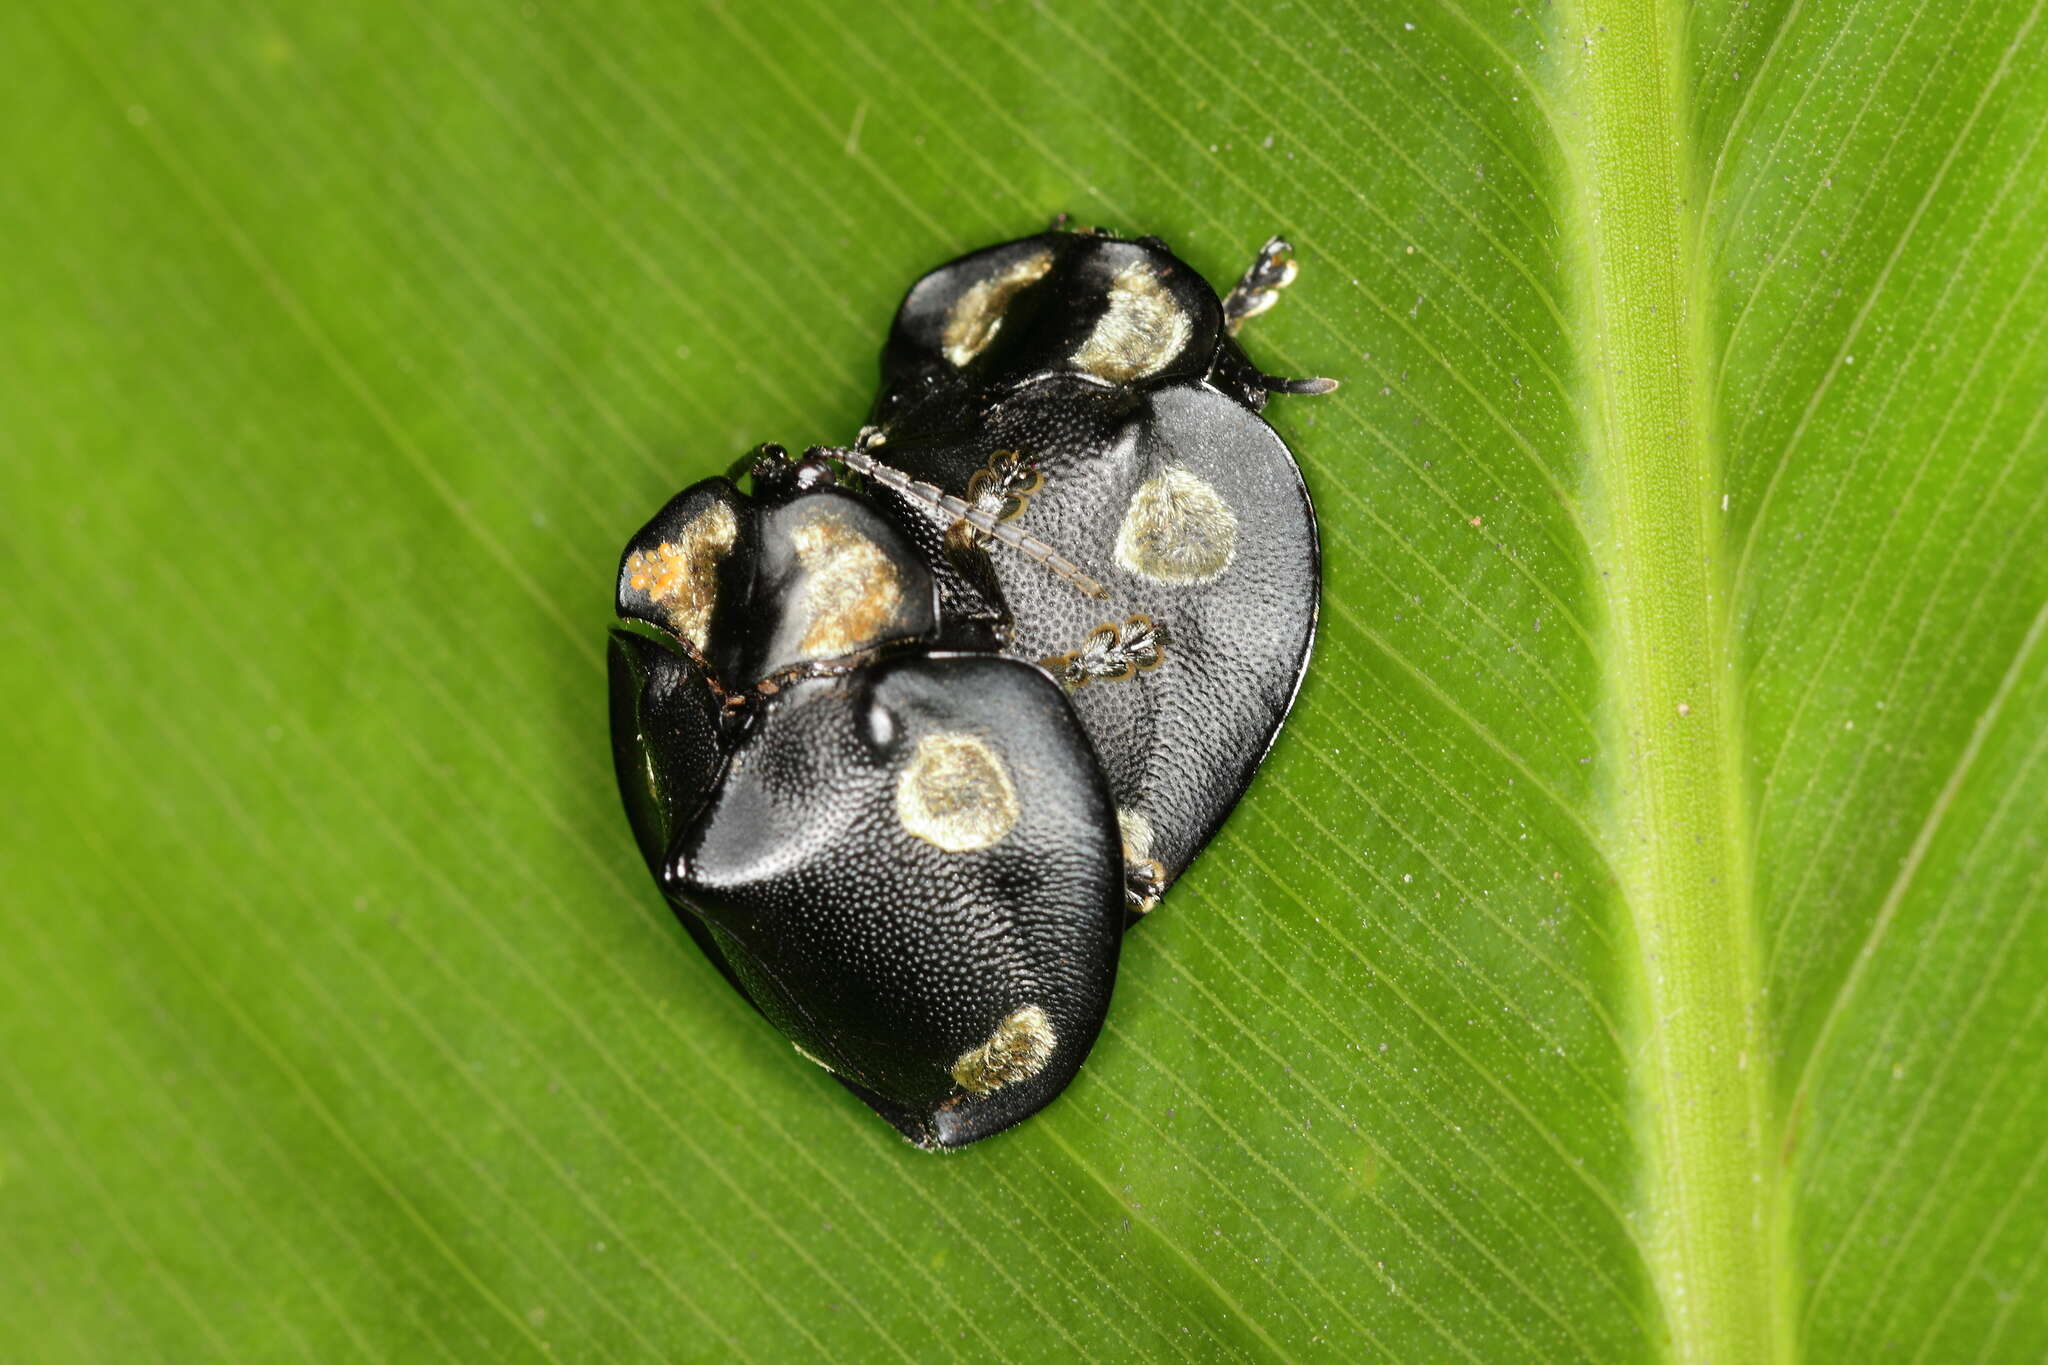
(851, 590)
(680, 576)
(1018, 1050)
(1177, 529)
(1139, 334)
(956, 793)
(977, 315)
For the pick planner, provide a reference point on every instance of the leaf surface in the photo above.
(1632, 949)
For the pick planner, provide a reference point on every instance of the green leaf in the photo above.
(1633, 949)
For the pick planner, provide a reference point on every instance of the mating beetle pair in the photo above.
(910, 733)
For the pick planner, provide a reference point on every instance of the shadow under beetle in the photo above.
(913, 731)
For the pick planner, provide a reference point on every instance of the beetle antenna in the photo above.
(939, 502)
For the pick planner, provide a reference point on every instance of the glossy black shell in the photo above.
(895, 778)
(1180, 750)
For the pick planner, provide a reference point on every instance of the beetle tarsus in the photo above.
(1258, 289)
(1111, 653)
(1144, 883)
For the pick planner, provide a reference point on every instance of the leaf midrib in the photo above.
(1675, 825)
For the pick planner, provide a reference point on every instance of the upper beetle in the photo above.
(908, 731)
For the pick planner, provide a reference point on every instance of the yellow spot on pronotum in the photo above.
(851, 589)
(1018, 1050)
(680, 576)
(956, 793)
(977, 315)
(1177, 530)
(1141, 331)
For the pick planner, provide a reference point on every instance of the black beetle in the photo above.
(907, 769)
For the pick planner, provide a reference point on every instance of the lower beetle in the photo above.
(911, 730)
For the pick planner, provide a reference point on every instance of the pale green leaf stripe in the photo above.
(1678, 828)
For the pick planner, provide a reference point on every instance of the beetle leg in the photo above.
(764, 457)
(1258, 289)
(1064, 222)
(1111, 654)
(1002, 488)
(1273, 383)
(1144, 881)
